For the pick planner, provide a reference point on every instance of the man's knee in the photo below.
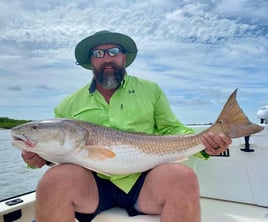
(185, 177)
(60, 175)
(63, 190)
(70, 182)
(178, 178)
(170, 184)
(55, 180)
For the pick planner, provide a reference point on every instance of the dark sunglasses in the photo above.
(99, 53)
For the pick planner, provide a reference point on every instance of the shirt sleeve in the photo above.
(167, 123)
(165, 120)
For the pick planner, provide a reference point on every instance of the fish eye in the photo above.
(34, 127)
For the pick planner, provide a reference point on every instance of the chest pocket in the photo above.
(93, 114)
(136, 114)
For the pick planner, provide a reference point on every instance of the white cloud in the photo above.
(197, 51)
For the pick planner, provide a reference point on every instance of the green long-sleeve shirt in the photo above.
(137, 106)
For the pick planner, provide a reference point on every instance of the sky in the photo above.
(198, 52)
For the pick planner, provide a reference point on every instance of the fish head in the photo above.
(55, 136)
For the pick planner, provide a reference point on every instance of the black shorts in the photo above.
(111, 196)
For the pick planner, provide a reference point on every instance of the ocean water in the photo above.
(15, 177)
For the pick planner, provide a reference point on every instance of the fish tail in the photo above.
(234, 122)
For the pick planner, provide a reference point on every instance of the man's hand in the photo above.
(32, 159)
(215, 143)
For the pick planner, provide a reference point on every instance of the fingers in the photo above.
(215, 143)
(33, 159)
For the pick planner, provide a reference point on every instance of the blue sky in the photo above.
(197, 51)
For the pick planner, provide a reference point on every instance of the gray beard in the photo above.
(111, 81)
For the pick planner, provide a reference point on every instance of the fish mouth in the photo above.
(23, 138)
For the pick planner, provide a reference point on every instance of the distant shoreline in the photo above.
(8, 123)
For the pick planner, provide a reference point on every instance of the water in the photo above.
(15, 177)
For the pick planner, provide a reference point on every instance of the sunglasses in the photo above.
(99, 53)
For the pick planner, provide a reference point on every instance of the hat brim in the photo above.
(83, 48)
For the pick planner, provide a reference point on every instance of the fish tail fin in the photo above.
(234, 122)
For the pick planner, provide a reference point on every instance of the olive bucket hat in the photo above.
(83, 48)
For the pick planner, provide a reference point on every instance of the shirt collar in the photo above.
(92, 86)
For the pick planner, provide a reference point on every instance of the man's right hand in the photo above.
(32, 159)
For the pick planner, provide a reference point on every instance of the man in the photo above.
(118, 100)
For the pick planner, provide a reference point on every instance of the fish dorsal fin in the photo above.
(99, 153)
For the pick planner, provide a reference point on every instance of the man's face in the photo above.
(108, 68)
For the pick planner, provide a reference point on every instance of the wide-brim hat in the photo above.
(83, 48)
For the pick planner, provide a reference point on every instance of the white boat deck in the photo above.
(212, 210)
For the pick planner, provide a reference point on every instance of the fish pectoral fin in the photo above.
(99, 153)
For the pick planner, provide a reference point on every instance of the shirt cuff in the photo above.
(202, 155)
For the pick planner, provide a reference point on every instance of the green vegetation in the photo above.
(8, 123)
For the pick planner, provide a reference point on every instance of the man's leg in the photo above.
(172, 191)
(64, 189)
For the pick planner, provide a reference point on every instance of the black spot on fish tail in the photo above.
(234, 122)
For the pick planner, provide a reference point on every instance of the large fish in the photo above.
(111, 151)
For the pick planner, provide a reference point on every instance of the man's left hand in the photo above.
(215, 143)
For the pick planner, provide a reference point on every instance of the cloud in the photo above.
(197, 51)
(249, 11)
(14, 88)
